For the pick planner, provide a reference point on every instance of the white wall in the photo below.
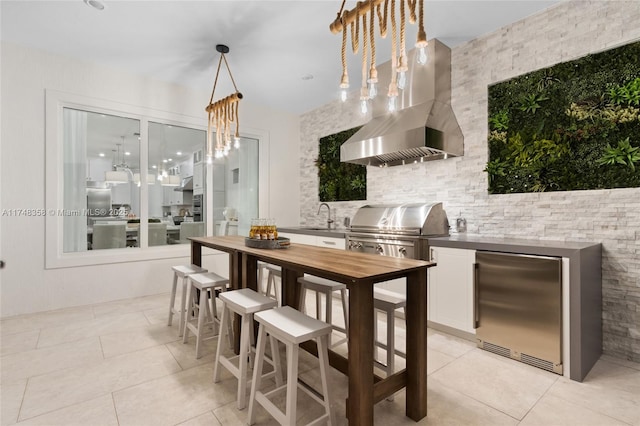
(570, 30)
(25, 75)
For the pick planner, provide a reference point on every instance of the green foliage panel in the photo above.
(339, 181)
(572, 126)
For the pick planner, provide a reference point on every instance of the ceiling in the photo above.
(275, 45)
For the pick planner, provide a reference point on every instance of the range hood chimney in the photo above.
(424, 128)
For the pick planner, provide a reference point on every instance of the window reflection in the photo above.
(235, 189)
(176, 199)
(101, 153)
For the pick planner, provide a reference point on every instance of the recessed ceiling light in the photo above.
(170, 159)
(179, 153)
(96, 4)
(127, 153)
(154, 167)
(307, 77)
(101, 154)
(164, 161)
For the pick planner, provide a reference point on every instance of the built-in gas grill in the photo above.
(398, 230)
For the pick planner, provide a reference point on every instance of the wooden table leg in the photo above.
(196, 253)
(290, 291)
(250, 272)
(360, 401)
(236, 281)
(416, 404)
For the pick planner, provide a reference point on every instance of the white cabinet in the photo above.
(121, 194)
(167, 195)
(198, 179)
(313, 240)
(176, 198)
(451, 295)
(331, 242)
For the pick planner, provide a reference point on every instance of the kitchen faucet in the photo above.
(329, 220)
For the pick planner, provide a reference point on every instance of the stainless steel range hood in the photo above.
(424, 127)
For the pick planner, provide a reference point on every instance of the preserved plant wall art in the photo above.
(572, 126)
(339, 181)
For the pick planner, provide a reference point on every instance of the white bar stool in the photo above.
(387, 301)
(291, 327)
(205, 284)
(244, 302)
(273, 271)
(326, 287)
(182, 272)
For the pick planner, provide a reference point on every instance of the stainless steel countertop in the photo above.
(513, 245)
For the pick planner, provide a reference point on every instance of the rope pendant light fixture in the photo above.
(358, 17)
(223, 115)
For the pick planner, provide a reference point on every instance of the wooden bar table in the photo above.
(359, 272)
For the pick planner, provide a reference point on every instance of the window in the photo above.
(115, 169)
(101, 158)
(176, 184)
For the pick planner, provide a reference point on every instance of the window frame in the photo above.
(55, 102)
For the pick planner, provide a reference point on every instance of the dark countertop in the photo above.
(515, 245)
(317, 231)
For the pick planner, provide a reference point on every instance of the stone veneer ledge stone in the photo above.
(567, 31)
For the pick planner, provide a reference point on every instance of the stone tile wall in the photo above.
(565, 32)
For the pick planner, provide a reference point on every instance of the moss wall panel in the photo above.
(572, 126)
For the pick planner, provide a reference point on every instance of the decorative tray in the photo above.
(280, 243)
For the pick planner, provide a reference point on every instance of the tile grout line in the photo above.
(115, 409)
(538, 400)
(592, 409)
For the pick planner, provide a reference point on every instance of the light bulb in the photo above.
(402, 80)
(209, 159)
(373, 90)
(343, 95)
(363, 106)
(391, 105)
(421, 55)
(236, 143)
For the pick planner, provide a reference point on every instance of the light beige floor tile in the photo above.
(41, 361)
(10, 401)
(553, 410)
(206, 419)
(229, 415)
(503, 384)
(18, 342)
(122, 342)
(623, 362)
(609, 389)
(97, 327)
(436, 360)
(95, 412)
(185, 353)
(445, 407)
(37, 321)
(137, 304)
(161, 316)
(173, 399)
(63, 388)
(447, 344)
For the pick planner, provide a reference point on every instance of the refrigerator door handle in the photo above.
(476, 299)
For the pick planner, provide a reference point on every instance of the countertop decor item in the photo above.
(223, 115)
(367, 10)
(279, 243)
